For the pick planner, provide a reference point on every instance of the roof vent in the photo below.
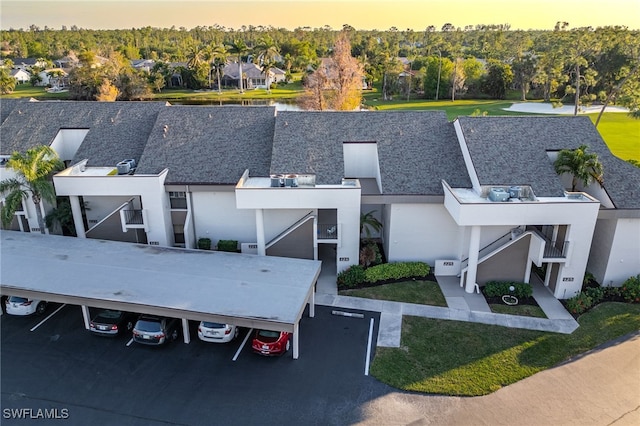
(498, 194)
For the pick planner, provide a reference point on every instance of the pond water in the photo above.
(280, 105)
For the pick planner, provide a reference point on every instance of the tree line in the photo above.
(579, 65)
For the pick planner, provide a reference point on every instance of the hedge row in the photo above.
(500, 288)
(357, 276)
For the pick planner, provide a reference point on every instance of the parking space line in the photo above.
(366, 363)
(242, 345)
(130, 342)
(50, 315)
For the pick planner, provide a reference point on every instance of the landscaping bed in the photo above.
(498, 294)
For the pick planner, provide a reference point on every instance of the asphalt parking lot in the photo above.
(63, 369)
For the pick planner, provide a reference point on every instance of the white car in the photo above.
(22, 306)
(217, 333)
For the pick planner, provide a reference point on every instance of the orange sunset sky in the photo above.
(361, 14)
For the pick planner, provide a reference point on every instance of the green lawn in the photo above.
(470, 359)
(420, 292)
(622, 134)
(524, 310)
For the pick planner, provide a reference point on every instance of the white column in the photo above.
(527, 272)
(76, 211)
(295, 341)
(262, 251)
(315, 236)
(185, 330)
(547, 275)
(44, 214)
(472, 269)
(85, 316)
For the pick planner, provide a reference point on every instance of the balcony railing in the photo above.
(178, 203)
(133, 217)
(552, 251)
(327, 232)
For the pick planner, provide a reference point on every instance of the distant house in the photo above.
(253, 77)
(28, 63)
(54, 77)
(21, 76)
(143, 64)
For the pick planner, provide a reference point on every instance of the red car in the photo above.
(267, 342)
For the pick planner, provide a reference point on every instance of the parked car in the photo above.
(111, 323)
(155, 330)
(268, 342)
(216, 332)
(22, 306)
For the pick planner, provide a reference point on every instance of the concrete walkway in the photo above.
(461, 306)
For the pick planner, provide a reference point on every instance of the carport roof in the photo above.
(258, 291)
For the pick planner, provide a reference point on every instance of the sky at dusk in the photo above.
(361, 14)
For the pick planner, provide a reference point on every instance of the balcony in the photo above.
(555, 251)
(327, 232)
(133, 217)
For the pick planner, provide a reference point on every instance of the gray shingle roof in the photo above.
(117, 130)
(513, 151)
(210, 144)
(8, 105)
(416, 149)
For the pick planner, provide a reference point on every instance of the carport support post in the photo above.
(185, 330)
(76, 212)
(85, 316)
(295, 341)
(260, 240)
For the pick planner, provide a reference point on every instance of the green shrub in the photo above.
(351, 277)
(595, 293)
(579, 304)
(500, 288)
(613, 292)
(228, 245)
(630, 289)
(396, 271)
(204, 243)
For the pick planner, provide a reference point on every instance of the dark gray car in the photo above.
(155, 330)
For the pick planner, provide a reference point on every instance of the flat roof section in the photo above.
(246, 290)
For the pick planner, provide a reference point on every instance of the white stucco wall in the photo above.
(215, 216)
(624, 258)
(601, 247)
(67, 142)
(421, 232)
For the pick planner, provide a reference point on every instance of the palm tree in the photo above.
(33, 170)
(267, 52)
(584, 167)
(239, 48)
(219, 57)
(368, 222)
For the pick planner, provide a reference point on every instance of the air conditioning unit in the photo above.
(124, 167)
(291, 180)
(498, 194)
(132, 163)
(515, 191)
